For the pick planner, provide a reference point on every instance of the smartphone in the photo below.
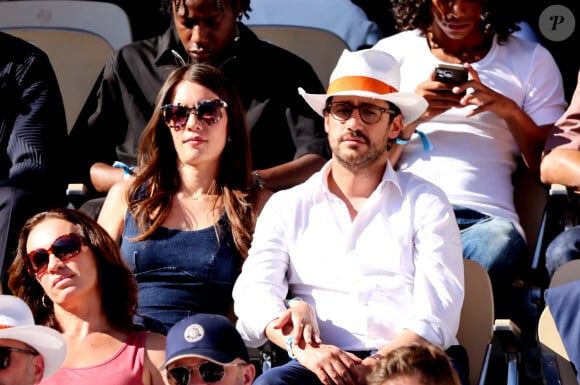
(450, 74)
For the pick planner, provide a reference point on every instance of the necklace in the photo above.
(199, 194)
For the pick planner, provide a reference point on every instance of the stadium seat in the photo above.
(78, 37)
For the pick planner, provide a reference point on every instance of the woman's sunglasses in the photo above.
(208, 112)
(64, 248)
(5, 352)
(208, 371)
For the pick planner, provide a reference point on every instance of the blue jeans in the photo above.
(497, 245)
(565, 247)
(293, 373)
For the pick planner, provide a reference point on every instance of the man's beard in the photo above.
(359, 161)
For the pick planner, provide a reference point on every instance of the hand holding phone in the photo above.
(451, 74)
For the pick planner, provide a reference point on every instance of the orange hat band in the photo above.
(6, 326)
(360, 83)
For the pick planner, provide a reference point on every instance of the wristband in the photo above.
(289, 347)
(127, 171)
(287, 302)
(427, 146)
(402, 141)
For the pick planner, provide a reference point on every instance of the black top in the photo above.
(32, 120)
(282, 126)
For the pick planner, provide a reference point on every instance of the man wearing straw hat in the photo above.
(376, 253)
(28, 352)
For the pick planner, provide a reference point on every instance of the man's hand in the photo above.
(300, 317)
(332, 365)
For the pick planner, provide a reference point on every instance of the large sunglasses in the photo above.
(5, 353)
(369, 113)
(208, 112)
(64, 248)
(208, 371)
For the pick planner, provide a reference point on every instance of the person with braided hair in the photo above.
(288, 141)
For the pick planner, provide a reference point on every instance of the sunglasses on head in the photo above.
(208, 371)
(208, 112)
(5, 352)
(64, 248)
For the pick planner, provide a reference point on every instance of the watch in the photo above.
(377, 356)
(257, 180)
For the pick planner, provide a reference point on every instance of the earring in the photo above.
(237, 37)
(43, 301)
(485, 23)
(229, 139)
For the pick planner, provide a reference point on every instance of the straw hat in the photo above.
(17, 323)
(370, 73)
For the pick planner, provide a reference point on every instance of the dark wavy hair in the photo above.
(152, 190)
(498, 16)
(427, 361)
(244, 5)
(118, 289)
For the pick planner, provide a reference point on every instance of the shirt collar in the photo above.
(390, 176)
(169, 41)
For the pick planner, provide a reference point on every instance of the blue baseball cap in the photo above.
(209, 336)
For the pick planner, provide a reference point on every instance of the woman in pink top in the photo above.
(71, 274)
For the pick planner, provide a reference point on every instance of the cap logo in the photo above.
(360, 83)
(193, 333)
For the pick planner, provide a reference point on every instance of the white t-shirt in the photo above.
(473, 158)
(342, 17)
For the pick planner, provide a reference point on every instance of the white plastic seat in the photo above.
(476, 325)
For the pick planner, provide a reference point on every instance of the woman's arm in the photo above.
(113, 211)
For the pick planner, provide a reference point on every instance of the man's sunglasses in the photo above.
(5, 352)
(64, 248)
(208, 371)
(208, 112)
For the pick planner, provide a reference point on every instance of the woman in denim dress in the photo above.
(185, 218)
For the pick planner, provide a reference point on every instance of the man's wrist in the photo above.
(288, 302)
(288, 344)
(403, 141)
(376, 356)
(257, 180)
(127, 171)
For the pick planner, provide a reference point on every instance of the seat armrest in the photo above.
(508, 334)
(76, 189)
(558, 189)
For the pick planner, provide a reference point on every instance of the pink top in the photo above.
(124, 368)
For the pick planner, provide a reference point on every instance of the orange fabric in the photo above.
(360, 83)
